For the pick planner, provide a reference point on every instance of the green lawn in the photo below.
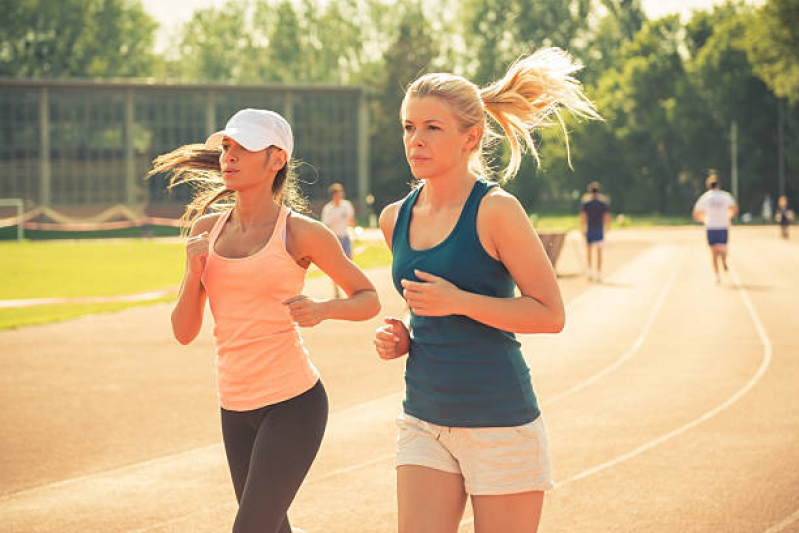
(95, 268)
(75, 268)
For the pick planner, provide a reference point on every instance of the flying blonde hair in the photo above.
(534, 90)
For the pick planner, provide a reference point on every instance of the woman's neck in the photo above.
(254, 207)
(448, 189)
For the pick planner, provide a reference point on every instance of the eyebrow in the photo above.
(429, 120)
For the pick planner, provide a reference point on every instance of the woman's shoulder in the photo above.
(205, 223)
(302, 226)
(498, 202)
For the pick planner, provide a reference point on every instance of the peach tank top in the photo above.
(260, 357)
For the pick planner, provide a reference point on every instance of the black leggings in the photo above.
(269, 451)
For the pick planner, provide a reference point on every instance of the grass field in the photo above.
(79, 268)
(76, 269)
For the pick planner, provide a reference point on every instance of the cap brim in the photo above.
(251, 143)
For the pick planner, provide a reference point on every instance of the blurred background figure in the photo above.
(594, 220)
(784, 216)
(339, 215)
(768, 209)
(716, 209)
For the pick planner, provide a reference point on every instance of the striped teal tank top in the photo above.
(461, 372)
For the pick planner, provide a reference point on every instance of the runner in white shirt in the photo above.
(339, 215)
(716, 208)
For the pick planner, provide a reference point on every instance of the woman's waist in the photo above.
(239, 333)
(457, 332)
(273, 355)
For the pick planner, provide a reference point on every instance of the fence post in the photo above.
(44, 148)
(363, 152)
(130, 163)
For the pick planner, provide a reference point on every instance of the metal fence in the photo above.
(80, 144)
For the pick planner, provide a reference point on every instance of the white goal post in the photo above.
(20, 205)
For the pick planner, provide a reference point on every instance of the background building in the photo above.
(80, 146)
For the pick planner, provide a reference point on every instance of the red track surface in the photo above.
(670, 402)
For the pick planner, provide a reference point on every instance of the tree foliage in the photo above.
(75, 38)
(668, 89)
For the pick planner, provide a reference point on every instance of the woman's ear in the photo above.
(473, 137)
(277, 159)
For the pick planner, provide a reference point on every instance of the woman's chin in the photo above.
(421, 173)
(232, 185)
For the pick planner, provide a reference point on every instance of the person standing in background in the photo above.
(594, 220)
(339, 215)
(784, 216)
(768, 209)
(716, 209)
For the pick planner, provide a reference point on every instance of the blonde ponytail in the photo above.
(534, 89)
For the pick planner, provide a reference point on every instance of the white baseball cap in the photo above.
(255, 130)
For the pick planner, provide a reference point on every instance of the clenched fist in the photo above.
(197, 253)
(306, 312)
(393, 339)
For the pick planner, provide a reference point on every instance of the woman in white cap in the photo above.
(249, 259)
(471, 425)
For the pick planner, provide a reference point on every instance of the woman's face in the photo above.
(434, 142)
(243, 169)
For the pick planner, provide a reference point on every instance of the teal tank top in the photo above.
(461, 372)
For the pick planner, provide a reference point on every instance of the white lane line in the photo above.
(232, 504)
(766, 361)
(633, 349)
(574, 303)
(785, 523)
(767, 356)
(119, 470)
(207, 448)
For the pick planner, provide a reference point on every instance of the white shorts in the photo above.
(492, 460)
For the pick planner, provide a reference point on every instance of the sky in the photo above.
(171, 13)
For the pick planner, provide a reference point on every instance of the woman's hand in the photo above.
(433, 296)
(197, 253)
(306, 312)
(392, 340)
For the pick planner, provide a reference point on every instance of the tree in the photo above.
(773, 47)
(496, 32)
(408, 56)
(216, 44)
(75, 38)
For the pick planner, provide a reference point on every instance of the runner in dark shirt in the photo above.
(784, 215)
(594, 219)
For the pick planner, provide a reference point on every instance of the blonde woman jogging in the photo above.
(471, 425)
(249, 260)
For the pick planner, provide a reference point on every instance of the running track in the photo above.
(671, 404)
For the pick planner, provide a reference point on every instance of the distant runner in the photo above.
(594, 220)
(716, 209)
(784, 216)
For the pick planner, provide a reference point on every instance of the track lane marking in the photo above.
(765, 362)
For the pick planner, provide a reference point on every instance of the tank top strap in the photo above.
(279, 233)
(400, 234)
(218, 225)
(472, 205)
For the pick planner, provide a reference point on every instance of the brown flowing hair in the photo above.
(197, 166)
(533, 91)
